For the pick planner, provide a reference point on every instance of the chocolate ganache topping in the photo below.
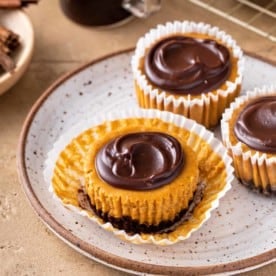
(140, 161)
(256, 125)
(186, 65)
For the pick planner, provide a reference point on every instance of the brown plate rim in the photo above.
(93, 251)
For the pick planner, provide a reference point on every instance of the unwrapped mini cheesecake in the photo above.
(249, 132)
(188, 68)
(146, 175)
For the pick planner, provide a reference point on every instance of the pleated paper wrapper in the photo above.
(72, 147)
(205, 108)
(251, 166)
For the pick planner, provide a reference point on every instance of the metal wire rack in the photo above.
(258, 16)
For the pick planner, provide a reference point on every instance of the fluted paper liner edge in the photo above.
(249, 164)
(207, 107)
(198, 135)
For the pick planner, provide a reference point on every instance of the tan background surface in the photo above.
(27, 247)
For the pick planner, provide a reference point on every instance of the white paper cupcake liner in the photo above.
(250, 165)
(208, 107)
(197, 136)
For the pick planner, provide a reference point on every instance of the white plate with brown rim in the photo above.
(239, 236)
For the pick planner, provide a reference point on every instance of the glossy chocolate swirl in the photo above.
(140, 161)
(186, 65)
(256, 125)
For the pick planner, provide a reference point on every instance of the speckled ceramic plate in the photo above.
(239, 236)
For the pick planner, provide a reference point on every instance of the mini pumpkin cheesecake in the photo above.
(249, 131)
(188, 68)
(147, 176)
(132, 180)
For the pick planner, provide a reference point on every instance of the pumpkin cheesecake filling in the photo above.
(142, 181)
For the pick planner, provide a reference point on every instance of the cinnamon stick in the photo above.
(9, 4)
(9, 38)
(4, 48)
(6, 62)
(9, 41)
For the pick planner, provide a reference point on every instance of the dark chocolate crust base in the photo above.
(133, 226)
(250, 184)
